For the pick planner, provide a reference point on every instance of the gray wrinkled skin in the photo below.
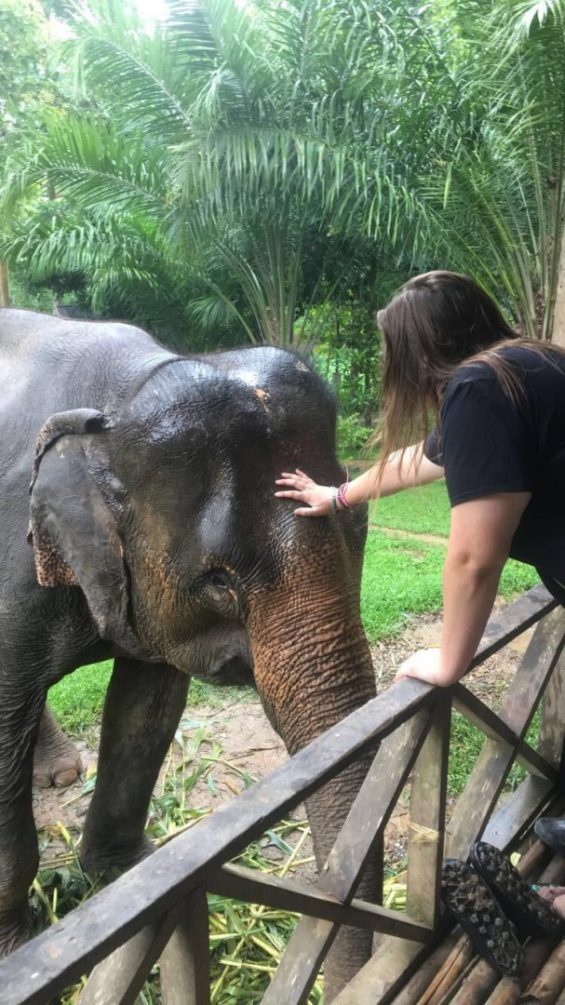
(152, 536)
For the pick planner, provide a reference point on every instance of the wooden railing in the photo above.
(158, 909)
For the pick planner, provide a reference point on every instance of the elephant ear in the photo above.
(73, 529)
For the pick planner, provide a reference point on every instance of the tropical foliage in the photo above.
(500, 202)
(271, 172)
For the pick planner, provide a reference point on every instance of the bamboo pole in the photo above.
(507, 992)
(548, 986)
(423, 979)
(450, 973)
(508, 989)
(475, 987)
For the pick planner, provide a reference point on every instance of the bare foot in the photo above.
(56, 761)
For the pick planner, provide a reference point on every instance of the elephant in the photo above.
(140, 524)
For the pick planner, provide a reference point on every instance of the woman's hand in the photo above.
(426, 665)
(318, 498)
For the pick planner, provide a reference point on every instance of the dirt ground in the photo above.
(239, 742)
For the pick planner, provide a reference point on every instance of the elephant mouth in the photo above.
(234, 671)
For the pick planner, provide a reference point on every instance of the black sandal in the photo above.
(529, 912)
(478, 912)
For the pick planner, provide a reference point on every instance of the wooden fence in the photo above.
(158, 909)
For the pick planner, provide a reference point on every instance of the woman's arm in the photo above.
(479, 543)
(404, 469)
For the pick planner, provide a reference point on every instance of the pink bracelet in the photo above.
(341, 497)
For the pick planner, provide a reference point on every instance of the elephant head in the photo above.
(163, 512)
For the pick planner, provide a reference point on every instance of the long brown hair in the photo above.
(434, 323)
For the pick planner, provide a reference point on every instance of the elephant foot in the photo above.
(111, 861)
(56, 760)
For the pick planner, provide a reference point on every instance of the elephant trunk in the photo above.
(312, 667)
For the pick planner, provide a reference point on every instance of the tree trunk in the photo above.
(4, 286)
(558, 335)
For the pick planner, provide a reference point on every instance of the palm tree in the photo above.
(220, 148)
(254, 130)
(498, 203)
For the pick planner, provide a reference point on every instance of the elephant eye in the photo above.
(219, 579)
(217, 591)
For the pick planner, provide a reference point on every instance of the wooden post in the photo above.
(185, 961)
(119, 978)
(552, 729)
(428, 793)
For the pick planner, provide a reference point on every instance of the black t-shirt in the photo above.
(486, 443)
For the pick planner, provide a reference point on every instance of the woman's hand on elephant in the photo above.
(299, 486)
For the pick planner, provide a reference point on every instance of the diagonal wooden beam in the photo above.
(517, 813)
(489, 723)
(477, 802)
(552, 728)
(365, 822)
(293, 895)
(119, 978)
(511, 621)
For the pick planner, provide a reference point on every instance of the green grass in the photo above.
(420, 511)
(403, 576)
(77, 700)
(400, 577)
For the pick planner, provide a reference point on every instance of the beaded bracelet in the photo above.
(341, 496)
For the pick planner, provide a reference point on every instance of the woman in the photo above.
(498, 402)
(498, 405)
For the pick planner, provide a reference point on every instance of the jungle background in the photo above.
(240, 171)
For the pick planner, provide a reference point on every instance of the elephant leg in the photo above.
(19, 858)
(141, 713)
(56, 760)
